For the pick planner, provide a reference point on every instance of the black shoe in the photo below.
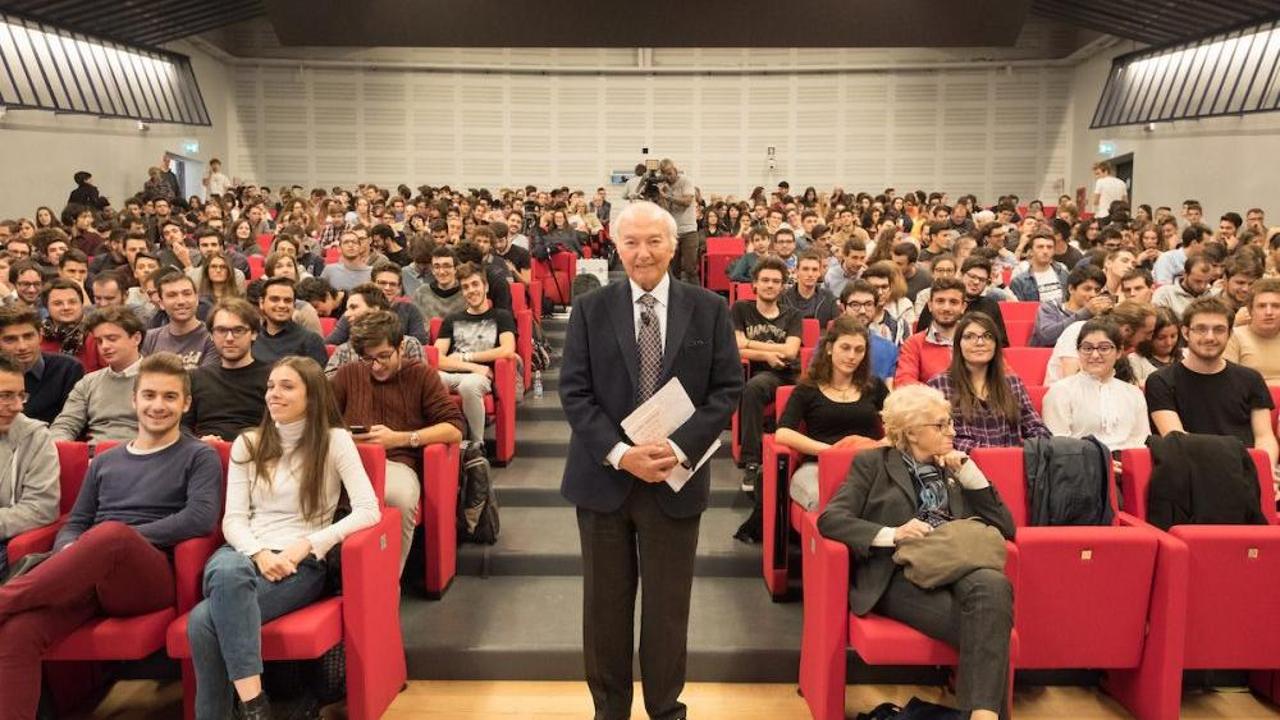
(306, 707)
(258, 708)
(750, 478)
(752, 529)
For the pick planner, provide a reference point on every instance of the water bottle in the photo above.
(537, 384)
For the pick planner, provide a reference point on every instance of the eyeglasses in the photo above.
(236, 332)
(948, 424)
(977, 278)
(1209, 330)
(869, 304)
(381, 358)
(9, 398)
(1103, 349)
(976, 338)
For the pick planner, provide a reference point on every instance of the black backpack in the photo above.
(477, 499)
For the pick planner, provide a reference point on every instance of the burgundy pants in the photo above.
(110, 570)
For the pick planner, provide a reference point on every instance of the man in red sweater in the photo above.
(928, 353)
(401, 404)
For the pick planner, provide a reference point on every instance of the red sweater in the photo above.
(919, 360)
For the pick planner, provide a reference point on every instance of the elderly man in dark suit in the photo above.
(624, 342)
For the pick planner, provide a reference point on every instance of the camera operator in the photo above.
(631, 191)
(676, 194)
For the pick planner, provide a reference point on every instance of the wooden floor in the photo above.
(145, 700)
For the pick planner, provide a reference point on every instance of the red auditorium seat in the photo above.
(1028, 363)
(721, 252)
(73, 461)
(332, 255)
(330, 349)
(1066, 574)
(256, 266)
(1275, 402)
(88, 356)
(264, 242)
(556, 275)
(810, 333)
(499, 405)
(132, 638)
(741, 291)
(524, 331)
(1019, 311)
(777, 465)
(1019, 333)
(439, 515)
(327, 324)
(830, 630)
(1037, 393)
(1230, 577)
(365, 617)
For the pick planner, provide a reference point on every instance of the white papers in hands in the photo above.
(659, 416)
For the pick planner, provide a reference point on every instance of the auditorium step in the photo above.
(530, 628)
(544, 541)
(535, 482)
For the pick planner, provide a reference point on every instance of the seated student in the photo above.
(74, 266)
(214, 279)
(113, 556)
(27, 280)
(363, 299)
(1137, 286)
(228, 398)
(1136, 322)
(49, 376)
(183, 332)
(470, 341)
(1042, 279)
(853, 262)
(517, 259)
(1163, 348)
(1094, 401)
(1239, 273)
(63, 329)
(1257, 345)
(352, 268)
(144, 304)
(906, 256)
(1196, 282)
(402, 403)
(894, 312)
(320, 295)
(807, 296)
(442, 296)
(759, 244)
(1084, 300)
(895, 493)
(975, 275)
(499, 287)
(1206, 393)
(99, 407)
(280, 335)
(989, 404)
(943, 266)
(29, 469)
(209, 242)
(283, 486)
(768, 337)
(108, 288)
(859, 301)
(928, 352)
(411, 322)
(836, 404)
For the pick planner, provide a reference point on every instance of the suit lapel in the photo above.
(901, 476)
(679, 309)
(624, 328)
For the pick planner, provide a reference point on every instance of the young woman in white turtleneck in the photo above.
(283, 487)
(1094, 401)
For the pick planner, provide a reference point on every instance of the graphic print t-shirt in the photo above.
(757, 327)
(475, 333)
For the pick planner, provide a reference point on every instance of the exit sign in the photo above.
(1107, 148)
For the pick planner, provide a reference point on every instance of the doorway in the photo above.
(1122, 167)
(190, 174)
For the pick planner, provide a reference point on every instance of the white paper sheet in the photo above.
(659, 416)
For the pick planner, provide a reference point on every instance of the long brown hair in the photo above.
(821, 367)
(229, 289)
(1000, 397)
(265, 449)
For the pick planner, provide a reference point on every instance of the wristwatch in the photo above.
(414, 441)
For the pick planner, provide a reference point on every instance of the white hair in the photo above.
(646, 210)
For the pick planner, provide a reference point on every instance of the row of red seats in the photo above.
(365, 618)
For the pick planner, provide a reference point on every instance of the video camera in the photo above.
(650, 182)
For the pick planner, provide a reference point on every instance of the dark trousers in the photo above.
(756, 395)
(110, 570)
(687, 247)
(973, 615)
(636, 542)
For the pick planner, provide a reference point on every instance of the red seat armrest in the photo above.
(34, 541)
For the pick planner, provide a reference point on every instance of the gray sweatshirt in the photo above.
(29, 469)
(100, 407)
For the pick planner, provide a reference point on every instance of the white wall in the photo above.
(1226, 163)
(985, 131)
(42, 150)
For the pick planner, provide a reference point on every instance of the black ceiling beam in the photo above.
(196, 28)
(1106, 24)
(196, 12)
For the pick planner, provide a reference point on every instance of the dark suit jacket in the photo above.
(879, 493)
(598, 388)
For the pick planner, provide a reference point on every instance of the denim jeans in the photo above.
(4, 558)
(225, 629)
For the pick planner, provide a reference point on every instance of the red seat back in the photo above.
(434, 328)
(431, 354)
(327, 324)
(741, 291)
(1019, 311)
(1036, 393)
(1019, 333)
(264, 242)
(1028, 363)
(73, 462)
(726, 245)
(780, 399)
(256, 266)
(833, 468)
(519, 302)
(1275, 407)
(810, 333)
(374, 459)
(806, 357)
(1004, 470)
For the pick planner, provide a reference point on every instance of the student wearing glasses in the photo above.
(1094, 401)
(229, 397)
(990, 407)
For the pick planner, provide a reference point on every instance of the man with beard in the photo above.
(183, 334)
(928, 352)
(975, 276)
(229, 397)
(280, 335)
(1204, 393)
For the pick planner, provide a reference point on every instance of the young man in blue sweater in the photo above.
(113, 557)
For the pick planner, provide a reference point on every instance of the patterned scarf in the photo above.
(70, 338)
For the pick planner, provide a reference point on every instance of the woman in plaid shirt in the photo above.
(990, 408)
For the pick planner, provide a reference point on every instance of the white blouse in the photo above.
(1114, 411)
(268, 516)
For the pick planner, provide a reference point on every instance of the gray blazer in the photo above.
(879, 493)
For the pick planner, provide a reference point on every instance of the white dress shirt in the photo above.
(661, 293)
(1114, 411)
